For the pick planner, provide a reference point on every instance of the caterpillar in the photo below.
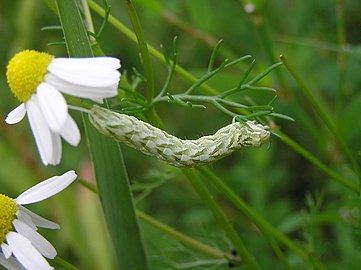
(155, 142)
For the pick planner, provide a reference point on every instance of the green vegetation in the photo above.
(191, 67)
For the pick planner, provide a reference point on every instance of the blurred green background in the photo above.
(319, 38)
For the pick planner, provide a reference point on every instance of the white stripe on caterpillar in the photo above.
(181, 153)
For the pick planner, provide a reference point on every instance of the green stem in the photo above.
(64, 264)
(278, 251)
(217, 102)
(257, 19)
(185, 239)
(77, 102)
(86, 184)
(153, 118)
(121, 27)
(311, 158)
(87, 16)
(144, 52)
(211, 73)
(341, 55)
(210, 202)
(217, 212)
(320, 108)
(143, 47)
(262, 224)
(107, 160)
(208, 199)
(266, 41)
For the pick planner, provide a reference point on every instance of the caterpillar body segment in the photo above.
(155, 142)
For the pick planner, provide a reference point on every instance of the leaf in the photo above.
(108, 163)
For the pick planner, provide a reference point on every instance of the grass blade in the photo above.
(143, 48)
(108, 163)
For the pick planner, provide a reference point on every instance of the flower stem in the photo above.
(324, 115)
(88, 19)
(185, 239)
(262, 224)
(64, 264)
(143, 47)
(221, 218)
(258, 21)
(77, 102)
(311, 158)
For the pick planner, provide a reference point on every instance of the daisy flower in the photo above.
(38, 80)
(21, 245)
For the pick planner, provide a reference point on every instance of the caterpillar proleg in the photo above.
(155, 142)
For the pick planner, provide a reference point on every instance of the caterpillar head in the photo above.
(257, 134)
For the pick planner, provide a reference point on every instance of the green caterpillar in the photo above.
(181, 153)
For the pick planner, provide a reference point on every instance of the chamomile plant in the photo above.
(38, 80)
(244, 131)
(22, 247)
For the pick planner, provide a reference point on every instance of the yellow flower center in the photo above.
(25, 71)
(8, 209)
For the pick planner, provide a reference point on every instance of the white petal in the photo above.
(56, 149)
(46, 188)
(40, 129)
(108, 62)
(6, 250)
(24, 217)
(81, 90)
(10, 263)
(98, 100)
(37, 240)
(16, 115)
(53, 106)
(26, 253)
(84, 74)
(70, 132)
(38, 220)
